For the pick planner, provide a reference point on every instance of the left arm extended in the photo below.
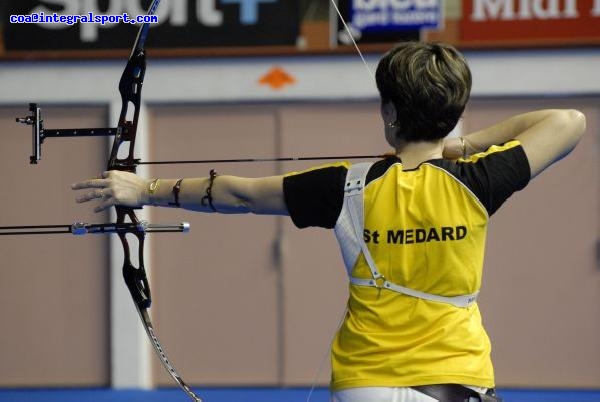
(230, 194)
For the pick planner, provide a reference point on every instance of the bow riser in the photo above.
(130, 88)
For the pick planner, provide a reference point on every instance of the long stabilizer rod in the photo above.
(82, 228)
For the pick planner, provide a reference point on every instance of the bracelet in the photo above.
(464, 147)
(153, 186)
(207, 200)
(175, 191)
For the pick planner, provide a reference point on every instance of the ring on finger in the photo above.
(101, 193)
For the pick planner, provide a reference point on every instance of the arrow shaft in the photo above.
(249, 160)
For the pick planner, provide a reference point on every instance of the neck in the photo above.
(413, 154)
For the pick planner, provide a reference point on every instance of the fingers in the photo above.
(112, 188)
(104, 205)
(91, 183)
(103, 194)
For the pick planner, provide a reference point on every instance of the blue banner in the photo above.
(395, 15)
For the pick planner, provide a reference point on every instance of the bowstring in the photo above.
(324, 359)
(349, 32)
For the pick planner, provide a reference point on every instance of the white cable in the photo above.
(324, 359)
(347, 28)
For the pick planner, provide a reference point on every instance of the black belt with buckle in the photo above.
(455, 393)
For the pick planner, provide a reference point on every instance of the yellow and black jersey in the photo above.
(425, 229)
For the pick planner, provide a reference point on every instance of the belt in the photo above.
(455, 393)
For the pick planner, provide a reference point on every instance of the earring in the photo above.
(391, 124)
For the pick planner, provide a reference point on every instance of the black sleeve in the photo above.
(315, 197)
(496, 176)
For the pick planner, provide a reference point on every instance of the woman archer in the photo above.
(411, 226)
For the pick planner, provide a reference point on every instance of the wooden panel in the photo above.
(215, 289)
(54, 288)
(541, 294)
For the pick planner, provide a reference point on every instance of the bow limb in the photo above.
(130, 88)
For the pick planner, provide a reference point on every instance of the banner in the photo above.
(392, 15)
(388, 20)
(530, 22)
(79, 25)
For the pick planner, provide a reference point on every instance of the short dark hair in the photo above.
(429, 84)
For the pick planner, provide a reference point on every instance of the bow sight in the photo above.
(39, 133)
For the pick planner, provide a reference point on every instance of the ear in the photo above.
(389, 116)
(388, 112)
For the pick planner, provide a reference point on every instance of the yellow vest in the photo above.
(425, 229)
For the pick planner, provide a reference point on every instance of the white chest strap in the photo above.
(349, 231)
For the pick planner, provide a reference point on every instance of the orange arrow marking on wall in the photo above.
(277, 78)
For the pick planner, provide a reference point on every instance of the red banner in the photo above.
(506, 22)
